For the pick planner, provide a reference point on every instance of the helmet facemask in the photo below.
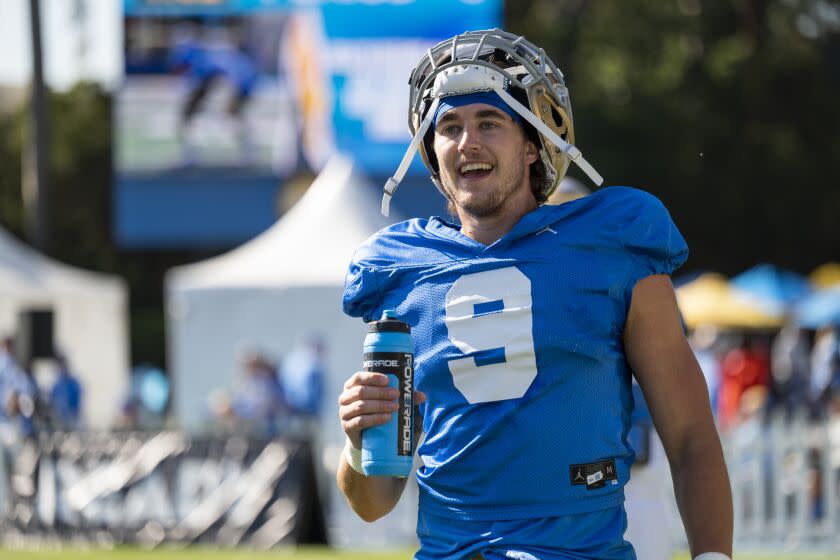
(512, 67)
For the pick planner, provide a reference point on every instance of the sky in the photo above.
(82, 40)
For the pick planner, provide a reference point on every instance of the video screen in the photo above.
(227, 106)
(205, 92)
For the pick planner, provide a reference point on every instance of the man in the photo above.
(206, 64)
(301, 377)
(258, 403)
(65, 397)
(527, 319)
(18, 395)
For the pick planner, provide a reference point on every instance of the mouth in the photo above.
(474, 170)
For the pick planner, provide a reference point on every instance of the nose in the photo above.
(469, 140)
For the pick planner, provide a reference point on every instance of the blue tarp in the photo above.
(819, 309)
(772, 286)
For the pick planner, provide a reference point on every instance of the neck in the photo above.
(490, 228)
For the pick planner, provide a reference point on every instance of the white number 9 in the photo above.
(488, 315)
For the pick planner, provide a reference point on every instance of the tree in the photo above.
(80, 224)
(726, 111)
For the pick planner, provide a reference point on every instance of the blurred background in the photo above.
(183, 184)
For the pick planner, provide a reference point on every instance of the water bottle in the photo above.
(388, 449)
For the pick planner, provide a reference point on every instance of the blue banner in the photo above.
(371, 50)
(204, 8)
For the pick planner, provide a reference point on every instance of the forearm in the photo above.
(370, 497)
(704, 497)
(367, 401)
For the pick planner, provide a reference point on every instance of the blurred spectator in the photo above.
(65, 398)
(814, 483)
(703, 341)
(789, 368)
(825, 370)
(144, 408)
(743, 367)
(752, 402)
(220, 410)
(257, 404)
(18, 395)
(129, 414)
(302, 377)
(153, 388)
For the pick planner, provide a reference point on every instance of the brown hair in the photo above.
(536, 171)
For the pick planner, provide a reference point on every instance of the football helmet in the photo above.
(519, 72)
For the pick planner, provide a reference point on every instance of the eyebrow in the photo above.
(482, 114)
(497, 113)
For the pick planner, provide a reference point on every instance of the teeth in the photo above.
(476, 167)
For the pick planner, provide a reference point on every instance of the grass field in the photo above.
(291, 554)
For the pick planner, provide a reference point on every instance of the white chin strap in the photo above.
(574, 154)
(466, 79)
(392, 183)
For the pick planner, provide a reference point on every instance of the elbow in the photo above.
(370, 514)
(370, 517)
(702, 447)
(369, 498)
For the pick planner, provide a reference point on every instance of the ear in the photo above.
(532, 154)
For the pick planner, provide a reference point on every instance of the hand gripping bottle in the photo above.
(388, 449)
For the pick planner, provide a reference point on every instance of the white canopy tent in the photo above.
(90, 321)
(267, 294)
(270, 292)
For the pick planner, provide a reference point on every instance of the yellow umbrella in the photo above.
(826, 275)
(710, 300)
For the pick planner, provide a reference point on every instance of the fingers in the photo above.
(366, 401)
(367, 393)
(365, 407)
(367, 378)
(355, 425)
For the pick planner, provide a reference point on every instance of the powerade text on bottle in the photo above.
(387, 450)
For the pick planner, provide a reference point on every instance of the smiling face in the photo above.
(483, 157)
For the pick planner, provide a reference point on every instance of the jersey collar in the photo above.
(531, 223)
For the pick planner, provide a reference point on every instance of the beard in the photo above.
(484, 204)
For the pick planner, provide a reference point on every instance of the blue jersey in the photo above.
(519, 350)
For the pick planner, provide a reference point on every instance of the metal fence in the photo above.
(160, 488)
(785, 479)
(784, 476)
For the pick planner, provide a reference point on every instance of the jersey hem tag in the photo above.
(593, 475)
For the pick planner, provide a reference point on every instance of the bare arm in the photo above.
(676, 393)
(368, 401)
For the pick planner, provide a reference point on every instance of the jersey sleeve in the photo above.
(375, 270)
(361, 291)
(651, 239)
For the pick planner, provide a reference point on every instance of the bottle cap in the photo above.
(389, 323)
